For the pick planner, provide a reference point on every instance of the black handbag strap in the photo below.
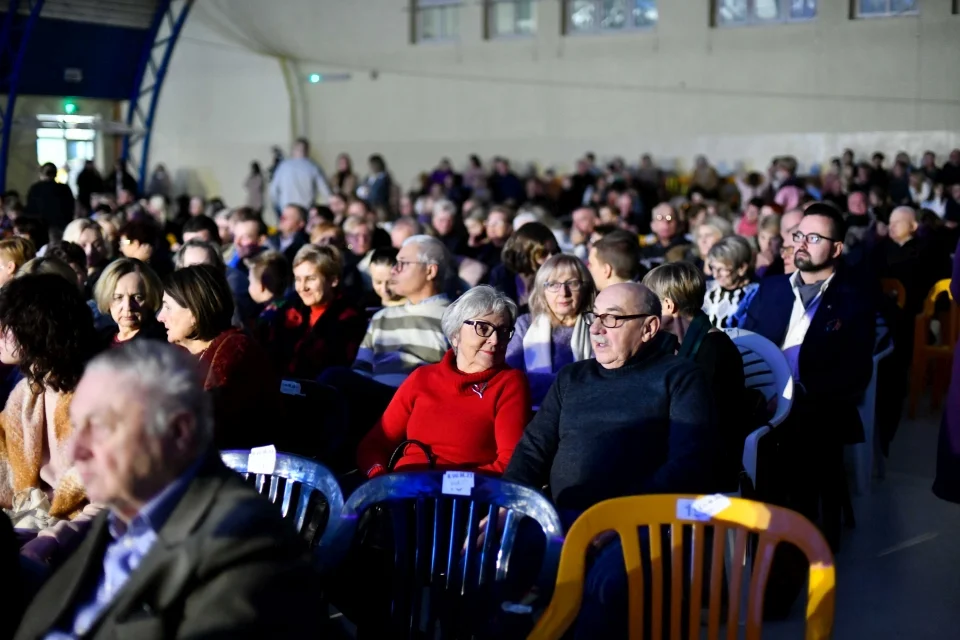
(398, 453)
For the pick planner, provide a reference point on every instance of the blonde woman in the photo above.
(554, 333)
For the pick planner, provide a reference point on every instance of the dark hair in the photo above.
(53, 328)
(255, 168)
(377, 163)
(203, 290)
(831, 213)
(103, 207)
(386, 256)
(141, 231)
(33, 228)
(197, 224)
(324, 212)
(603, 230)
(757, 202)
(621, 250)
(68, 252)
(49, 170)
(272, 269)
(246, 214)
(529, 245)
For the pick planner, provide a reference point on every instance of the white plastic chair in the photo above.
(764, 368)
(864, 454)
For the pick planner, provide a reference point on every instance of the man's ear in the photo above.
(651, 328)
(837, 250)
(432, 271)
(183, 429)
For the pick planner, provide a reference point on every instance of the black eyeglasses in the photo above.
(485, 329)
(611, 321)
(811, 238)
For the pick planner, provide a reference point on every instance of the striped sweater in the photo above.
(400, 339)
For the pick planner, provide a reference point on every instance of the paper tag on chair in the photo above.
(262, 460)
(706, 507)
(685, 511)
(457, 483)
(290, 388)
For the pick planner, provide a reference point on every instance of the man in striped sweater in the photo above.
(399, 339)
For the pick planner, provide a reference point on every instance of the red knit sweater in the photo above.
(439, 406)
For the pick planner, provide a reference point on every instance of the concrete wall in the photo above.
(743, 93)
(222, 106)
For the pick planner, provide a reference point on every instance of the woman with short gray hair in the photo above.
(469, 410)
(730, 261)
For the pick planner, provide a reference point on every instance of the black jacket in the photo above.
(224, 565)
(52, 202)
(646, 427)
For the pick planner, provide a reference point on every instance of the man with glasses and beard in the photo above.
(635, 420)
(825, 325)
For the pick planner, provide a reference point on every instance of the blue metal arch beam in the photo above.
(145, 96)
(13, 60)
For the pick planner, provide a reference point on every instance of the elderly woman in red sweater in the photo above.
(468, 410)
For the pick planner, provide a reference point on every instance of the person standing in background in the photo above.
(51, 201)
(298, 180)
(89, 182)
(253, 185)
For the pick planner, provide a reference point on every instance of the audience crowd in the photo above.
(563, 332)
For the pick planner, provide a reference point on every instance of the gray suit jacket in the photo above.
(225, 565)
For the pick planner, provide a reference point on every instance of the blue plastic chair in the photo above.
(306, 483)
(442, 587)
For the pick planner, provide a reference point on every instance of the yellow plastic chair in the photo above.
(894, 289)
(938, 355)
(625, 515)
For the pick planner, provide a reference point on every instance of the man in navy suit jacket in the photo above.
(825, 324)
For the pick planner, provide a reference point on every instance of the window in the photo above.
(436, 20)
(507, 18)
(884, 8)
(741, 12)
(587, 16)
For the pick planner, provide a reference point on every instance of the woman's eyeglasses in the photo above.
(485, 329)
(611, 321)
(556, 287)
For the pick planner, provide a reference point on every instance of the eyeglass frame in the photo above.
(500, 331)
(805, 238)
(619, 321)
(559, 286)
(400, 265)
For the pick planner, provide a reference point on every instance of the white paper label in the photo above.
(685, 511)
(290, 388)
(711, 505)
(262, 460)
(457, 483)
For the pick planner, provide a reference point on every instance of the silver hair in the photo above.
(732, 251)
(719, 224)
(444, 206)
(167, 378)
(410, 223)
(478, 301)
(432, 251)
(213, 253)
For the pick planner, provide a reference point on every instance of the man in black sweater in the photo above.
(635, 420)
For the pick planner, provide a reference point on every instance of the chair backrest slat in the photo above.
(274, 487)
(696, 586)
(303, 502)
(261, 481)
(452, 543)
(634, 565)
(716, 581)
(509, 537)
(287, 496)
(676, 578)
(656, 577)
(488, 536)
(736, 582)
(758, 582)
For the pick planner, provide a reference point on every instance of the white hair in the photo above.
(478, 301)
(167, 378)
(432, 251)
(444, 206)
(75, 229)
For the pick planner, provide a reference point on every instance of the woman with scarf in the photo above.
(681, 288)
(554, 333)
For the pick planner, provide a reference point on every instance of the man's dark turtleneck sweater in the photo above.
(646, 427)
